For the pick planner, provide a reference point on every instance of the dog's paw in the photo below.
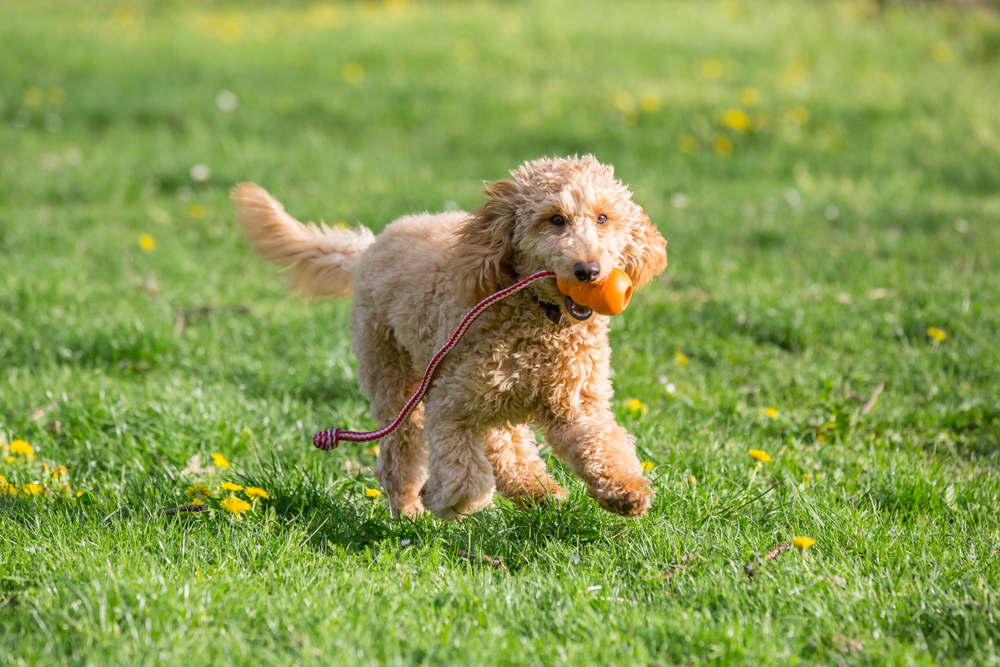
(455, 501)
(631, 497)
(538, 493)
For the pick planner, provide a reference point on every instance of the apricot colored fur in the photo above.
(414, 283)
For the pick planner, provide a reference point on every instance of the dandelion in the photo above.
(200, 173)
(229, 486)
(771, 412)
(749, 97)
(33, 96)
(147, 243)
(803, 542)
(465, 50)
(256, 492)
(688, 144)
(941, 52)
(372, 493)
(806, 477)
(235, 505)
(729, 9)
(219, 460)
(635, 406)
(623, 101)
(21, 448)
(32, 488)
(647, 465)
(373, 450)
(227, 101)
(933, 332)
(712, 68)
(649, 102)
(692, 480)
(736, 119)
(353, 73)
(799, 115)
(7, 489)
(680, 357)
(198, 492)
(794, 74)
(759, 455)
(723, 146)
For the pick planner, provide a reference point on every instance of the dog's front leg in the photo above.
(602, 454)
(459, 476)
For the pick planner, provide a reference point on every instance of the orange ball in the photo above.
(608, 298)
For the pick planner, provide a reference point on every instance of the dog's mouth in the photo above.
(576, 310)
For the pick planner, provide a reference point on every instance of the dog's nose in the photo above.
(587, 272)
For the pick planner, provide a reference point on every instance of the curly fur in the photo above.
(414, 283)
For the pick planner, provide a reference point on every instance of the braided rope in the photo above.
(329, 439)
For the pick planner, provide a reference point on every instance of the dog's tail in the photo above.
(320, 260)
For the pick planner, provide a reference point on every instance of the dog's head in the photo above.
(570, 216)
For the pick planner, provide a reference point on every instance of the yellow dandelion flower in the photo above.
(647, 465)
(807, 477)
(20, 447)
(803, 542)
(712, 68)
(31, 489)
(7, 489)
(353, 73)
(933, 332)
(10, 459)
(56, 95)
(692, 480)
(649, 102)
(679, 356)
(759, 455)
(749, 97)
(219, 460)
(372, 493)
(799, 115)
(146, 242)
(723, 146)
(373, 450)
(736, 119)
(229, 486)
(465, 50)
(729, 9)
(688, 145)
(33, 96)
(256, 492)
(794, 74)
(235, 505)
(623, 101)
(198, 492)
(771, 412)
(941, 52)
(62, 470)
(635, 406)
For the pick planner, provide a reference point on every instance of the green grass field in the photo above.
(827, 175)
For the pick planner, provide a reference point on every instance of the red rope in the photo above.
(329, 439)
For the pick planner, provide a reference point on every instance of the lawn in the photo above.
(827, 175)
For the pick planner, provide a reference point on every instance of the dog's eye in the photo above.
(557, 220)
(601, 219)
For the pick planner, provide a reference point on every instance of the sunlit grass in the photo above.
(812, 383)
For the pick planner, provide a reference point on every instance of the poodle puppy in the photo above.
(535, 358)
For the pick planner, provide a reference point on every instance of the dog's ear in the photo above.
(484, 243)
(646, 253)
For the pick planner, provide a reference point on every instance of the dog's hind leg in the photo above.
(386, 376)
(519, 472)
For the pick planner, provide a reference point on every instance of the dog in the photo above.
(535, 358)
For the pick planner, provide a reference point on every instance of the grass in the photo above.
(810, 258)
